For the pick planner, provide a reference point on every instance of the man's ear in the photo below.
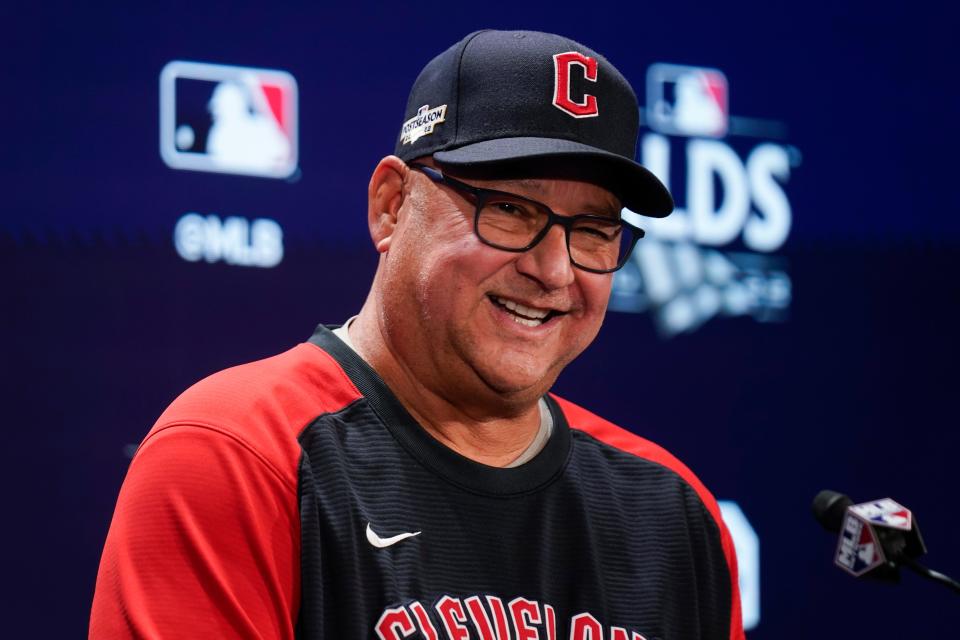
(384, 198)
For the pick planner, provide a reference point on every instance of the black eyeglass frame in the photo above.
(483, 195)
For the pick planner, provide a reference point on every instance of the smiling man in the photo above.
(408, 474)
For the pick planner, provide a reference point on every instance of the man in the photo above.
(408, 475)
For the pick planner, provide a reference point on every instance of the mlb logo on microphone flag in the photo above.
(687, 101)
(228, 119)
(885, 513)
(858, 549)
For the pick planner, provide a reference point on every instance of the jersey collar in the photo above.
(431, 453)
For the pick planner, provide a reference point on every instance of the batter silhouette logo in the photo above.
(687, 101)
(228, 119)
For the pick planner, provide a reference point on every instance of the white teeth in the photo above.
(522, 314)
(528, 312)
(527, 323)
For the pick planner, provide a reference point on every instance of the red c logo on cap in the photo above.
(562, 63)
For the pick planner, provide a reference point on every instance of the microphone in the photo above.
(829, 508)
(876, 538)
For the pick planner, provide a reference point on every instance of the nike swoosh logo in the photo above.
(382, 543)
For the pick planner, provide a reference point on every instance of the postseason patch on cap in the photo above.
(422, 124)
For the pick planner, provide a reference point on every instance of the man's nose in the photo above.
(549, 261)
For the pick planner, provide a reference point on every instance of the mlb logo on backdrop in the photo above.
(228, 119)
(687, 101)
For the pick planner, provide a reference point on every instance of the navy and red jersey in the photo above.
(295, 497)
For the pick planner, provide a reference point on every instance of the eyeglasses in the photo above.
(595, 243)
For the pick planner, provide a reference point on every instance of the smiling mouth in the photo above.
(522, 314)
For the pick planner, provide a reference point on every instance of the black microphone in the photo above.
(876, 538)
(829, 508)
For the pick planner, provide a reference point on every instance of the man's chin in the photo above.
(519, 384)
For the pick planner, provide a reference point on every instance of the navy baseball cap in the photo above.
(525, 98)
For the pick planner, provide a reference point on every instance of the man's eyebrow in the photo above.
(530, 184)
(611, 208)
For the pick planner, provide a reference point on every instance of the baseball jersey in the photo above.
(295, 497)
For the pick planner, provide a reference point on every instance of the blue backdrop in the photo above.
(824, 358)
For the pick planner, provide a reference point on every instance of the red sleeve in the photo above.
(204, 543)
(620, 438)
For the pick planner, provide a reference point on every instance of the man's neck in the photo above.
(494, 438)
